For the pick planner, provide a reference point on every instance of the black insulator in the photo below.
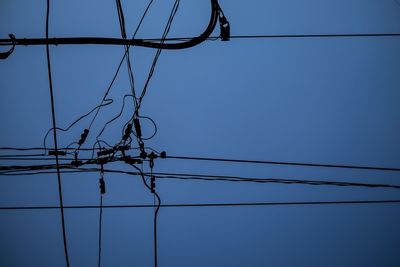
(152, 184)
(128, 131)
(58, 153)
(143, 155)
(138, 129)
(102, 185)
(225, 28)
(105, 152)
(83, 137)
(163, 154)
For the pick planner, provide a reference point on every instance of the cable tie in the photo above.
(57, 152)
(83, 137)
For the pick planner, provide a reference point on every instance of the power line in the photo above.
(376, 168)
(209, 177)
(192, 205)
(55, 135)
(147, 42)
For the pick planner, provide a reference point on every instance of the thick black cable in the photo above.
(120, 64)
(115, 41)
(376, 168)
(55, 136)
(190, 205)
(148, 42)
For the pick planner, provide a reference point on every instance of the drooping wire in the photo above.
(128, 60)
(157, 55)
(120, 63)
(55, 136)
(107, 102)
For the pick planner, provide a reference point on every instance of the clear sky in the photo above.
(319, 100)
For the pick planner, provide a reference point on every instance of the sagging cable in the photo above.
(5, 55)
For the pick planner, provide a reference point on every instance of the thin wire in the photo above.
(190, 205)
(207, 177)
(55, 135)
(285, 163)
(159, 50)
(100, 228)
(122, 61)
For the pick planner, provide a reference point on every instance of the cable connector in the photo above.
(152, 184)
(163, 154)
(130, 160)
(224, 26)
(138, 129)
(58, 153)
(102, 185)
(128, 131)
(83, 137)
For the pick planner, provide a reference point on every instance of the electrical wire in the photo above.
(159, 50)
(55, 136)
(215, 8)
(157, 208)
(148, 42)
(375, 168)
(192, 205)
(226, 178)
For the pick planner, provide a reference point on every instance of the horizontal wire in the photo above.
(133, 42)
(394, 201)
(378, 168)
(206, 177)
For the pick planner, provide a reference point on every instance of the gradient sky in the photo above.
(332, 101)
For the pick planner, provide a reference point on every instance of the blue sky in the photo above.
(332, 101)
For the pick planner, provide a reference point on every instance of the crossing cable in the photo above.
(152, 42)
(159, 50)
(55, 136)
(376, 168)
(121, 61)
(209, 177)
(156, 207)
(121, 19)
(193, 205)
(215, 9)
(102, 188)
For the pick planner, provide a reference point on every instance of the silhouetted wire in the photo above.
(192, 205)
(155, 128)
(116, 117)
(146, 42)
(226, 178)
(55, 135)
(22, 155)
(100, 228)
(122, 60)
(108, 102)
(284, 163)
(157, 55)
(215, 9)
(157, 207)
(128, 61)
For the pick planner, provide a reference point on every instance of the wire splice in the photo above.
(5, 55)
(128, 131)
(138, 129)
(224, 26)
(57, 152)
(83, 137)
